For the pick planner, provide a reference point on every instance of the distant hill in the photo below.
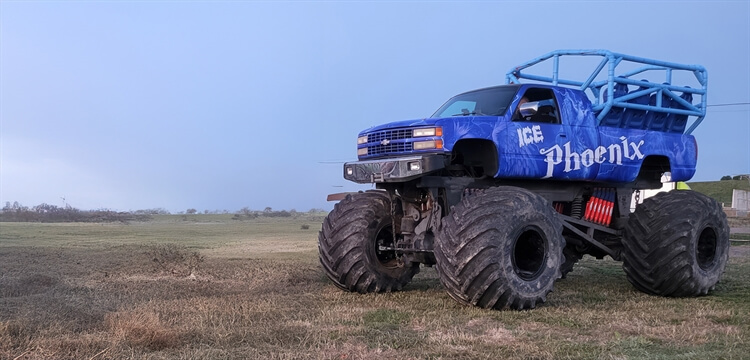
(720, 190)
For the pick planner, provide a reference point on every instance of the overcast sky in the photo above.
(221, 105)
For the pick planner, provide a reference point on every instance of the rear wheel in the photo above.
(570, 258)
(676, 244)
(500, 248)
(352, 241)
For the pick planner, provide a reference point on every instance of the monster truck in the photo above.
(504, 188)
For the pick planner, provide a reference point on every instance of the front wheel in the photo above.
(353, 244)
(500, 248)
(676, 244)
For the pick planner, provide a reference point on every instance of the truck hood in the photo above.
(402, 124)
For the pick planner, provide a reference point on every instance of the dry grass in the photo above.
(254, 289)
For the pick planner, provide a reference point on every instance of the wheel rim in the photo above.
(384, 237)
(529, 253)
(705, 250)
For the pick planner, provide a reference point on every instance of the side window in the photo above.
(546, 110)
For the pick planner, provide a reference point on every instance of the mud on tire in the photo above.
(676, 244)
(348, 245)
(500, 248)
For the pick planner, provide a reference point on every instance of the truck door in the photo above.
(553, 142)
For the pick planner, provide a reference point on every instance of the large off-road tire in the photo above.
(500, 248)
(676, 244)
(348, 245)
(570, 258)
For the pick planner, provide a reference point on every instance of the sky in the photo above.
(129, 105)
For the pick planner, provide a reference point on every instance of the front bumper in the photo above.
(393, 170)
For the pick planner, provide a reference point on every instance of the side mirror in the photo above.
(529, 109)
(532, 108)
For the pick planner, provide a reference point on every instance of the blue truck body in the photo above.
(607, 140)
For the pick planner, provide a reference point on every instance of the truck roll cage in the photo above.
(652, 106)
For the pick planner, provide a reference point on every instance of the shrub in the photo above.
(51, 213)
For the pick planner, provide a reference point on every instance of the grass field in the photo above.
(720, 190)
(208, 287)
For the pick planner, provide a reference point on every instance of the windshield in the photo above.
(491, 101)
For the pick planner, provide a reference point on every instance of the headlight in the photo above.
(431, 144)
(436, 131)
(362, 140)
(362, 151)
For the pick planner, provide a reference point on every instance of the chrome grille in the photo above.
(388, 149)
(379, 136)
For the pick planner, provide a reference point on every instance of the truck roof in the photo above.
(630, 83)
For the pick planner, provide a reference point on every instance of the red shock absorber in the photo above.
(603, 209)
(605, 214)
(600, 206)
(558, 207)
(590, 206)
(613, 199)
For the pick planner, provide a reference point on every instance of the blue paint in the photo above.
(575, 146)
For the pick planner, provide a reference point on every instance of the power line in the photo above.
(730, 104)
(729, 111)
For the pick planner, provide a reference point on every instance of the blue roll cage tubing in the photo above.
(612, 60)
